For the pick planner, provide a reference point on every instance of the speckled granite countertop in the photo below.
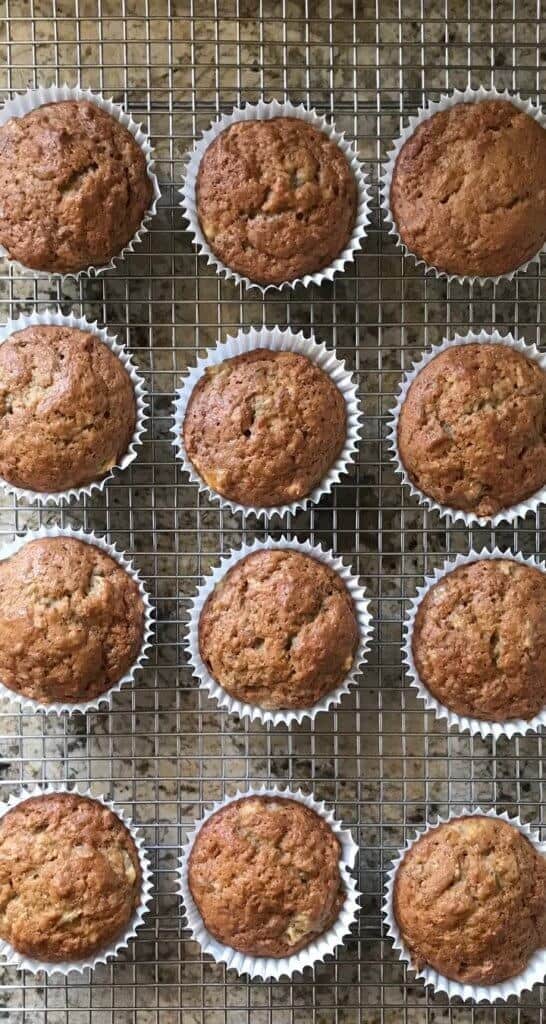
(163, 751)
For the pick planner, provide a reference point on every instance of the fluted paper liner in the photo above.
(508, 515)
(263, 967)
(253, 711)
(476, 726)
(276, 340)
(23, 963)
(23, 103)
(58, 707)
(446, 102)
(263, 111)
(54, 317)
(535, 971)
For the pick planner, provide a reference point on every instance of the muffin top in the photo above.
(74, 187)
(71, 620)
(472, 647)
(468, 192)
(472, 428)
(67, 408)
(279, 630)
(276, 199)
(264, 875)
(264, 428)
(470, 900)
(70, 878)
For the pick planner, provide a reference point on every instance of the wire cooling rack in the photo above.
(164, 752)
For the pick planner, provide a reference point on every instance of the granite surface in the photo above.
(163, 751)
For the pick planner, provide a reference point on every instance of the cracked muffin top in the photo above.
(74, 187)
(67, 409)
(468, 192)
(276, 199)
(264, 428)
(473, 648)
(70, 878)
(264, 875)
(71, 621)
(470, 900)
(279, 630)
(471, 430)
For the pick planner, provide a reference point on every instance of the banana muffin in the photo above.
(473, 648)
(264, 428)
(279, 630)
(468, 192)
(74, 187)
(472, 428)
(276, 199)
(67, 408)
(470, 900)
(70, 878)
(71, 621)
(264, 875)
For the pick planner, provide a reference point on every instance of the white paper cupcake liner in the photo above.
(265, 112)
(56, 318)
(433, 107)
(506, 515)
(278, 341)
(28, 703)
(23, 103)
(23, 963)
(535, 971)
(476, 726)
(263, 967)
(252, 711)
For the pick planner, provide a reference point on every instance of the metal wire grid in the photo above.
(164, 751)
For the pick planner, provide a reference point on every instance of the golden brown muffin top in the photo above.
(276, 199)
(470, 900)
(479, 642)
(74, 187)
(67, 408)
(264, 875)
(468, 193)
(279, 630)
(71, 621)
(471, 431)
(264, 428)
(70, 878)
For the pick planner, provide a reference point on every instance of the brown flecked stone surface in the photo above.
(472, 428)
(479, 642)
(70, 878)
(264, 874)
(67, 408)
(279, 630)
(74, 187)
(470, 900)
(71, 620)
(468, 193)
(276, 199)
(265, 427)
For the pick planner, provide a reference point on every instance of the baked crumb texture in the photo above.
(67, 409)
(472, 428)
(276, 199)
(71, 621)
(473, 647)
(468, 191)
(279, 630)
(264, 428)
(74, 187)
(70, 878)
(264, 875)
(470, 900)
